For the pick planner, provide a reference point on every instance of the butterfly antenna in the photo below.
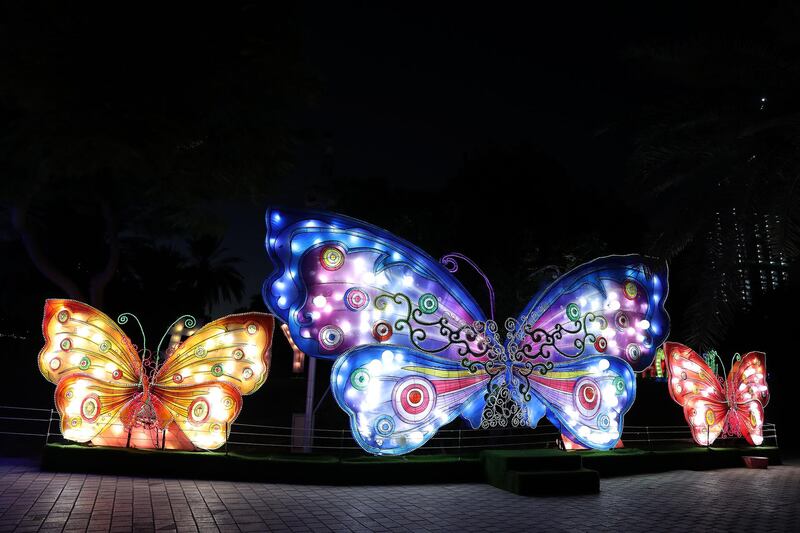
(188, 322)
(123, 319)
(722, 366)
(450, 262)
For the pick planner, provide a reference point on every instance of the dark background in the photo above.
(140, 146)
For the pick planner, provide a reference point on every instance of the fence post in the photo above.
(226, 439)
(647, 432)
(49, 423)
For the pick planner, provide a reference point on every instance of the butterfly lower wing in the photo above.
(585, 399)
(235, 349)
(397, 398)
(610, 306)
(203, 412)
(82, 339)
(749, 421)
(695, 386)
(89, 407)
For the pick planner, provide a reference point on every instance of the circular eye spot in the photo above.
(85, 363)
(66, 344)
(382, 331)
(621, 321)
(573, 311)
(587, 397)
(200, 351)
(104, 346)
(251, 329)
(683, 375)
(603, 422)
(413, 398)
(198, 411)
(710, 418)
(62, 316)
(678, 389)
(217, 370)
(247, 373)
(359, 379)
(331, 258)
(356, 299)
(215, 428)
(601, 344)
(55, 363)
(227, 402)
(116, 374)
(428, 303)
(630, 289)
(90, 408)
(69, 394)
(633, 351)
(238, 354)
(753, 419)
(384, 425)
(75, 422)
(619, 385)
(177, 378)
(331, 337)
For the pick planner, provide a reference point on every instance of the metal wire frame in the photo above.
(44, 423)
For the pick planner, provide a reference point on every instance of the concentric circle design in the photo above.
(104, 346)
(359, 379)
(200, 351)
(587, 397)
(753, 419)
(247, 373)
(621, 321)
(413, 398)
(75, 423)
(619, 385)
(198, 411)
(573, 311)
(384, 425)
(62, 316)
(69, 394)
(215, 428)
(238, 354)
(84, 363)
(710, 418)
(116, 374)
(217, 370)
(630, 289)
(601, 344)
(683, 375)
(356, 299)
(331, 337)
(603, 422)
(177, 378)
(382, 331)
(633, 351)
(331, 258)
(428, 303)
(227, 402)
(66, 345)
(55, 363)
(252, 329)
(90, 408)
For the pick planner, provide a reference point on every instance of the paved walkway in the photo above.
(722, 500)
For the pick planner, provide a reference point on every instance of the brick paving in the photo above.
(721, 500)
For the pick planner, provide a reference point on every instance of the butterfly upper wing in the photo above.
(235, 349)
(351, 290)
(82, 339)
(747, 387)
(693, 385)
(610, 306)
(591, 328)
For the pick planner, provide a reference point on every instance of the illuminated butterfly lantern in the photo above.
(413, 350)
(713, 405)
(108, 394)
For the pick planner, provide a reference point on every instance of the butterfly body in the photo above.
(107, 395)
(717, 406)
(413, 350)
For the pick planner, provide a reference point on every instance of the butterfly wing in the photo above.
(351, 290)
(747, 386)
(81, 339)
(202, 382)
(693, 385)
(579, 342)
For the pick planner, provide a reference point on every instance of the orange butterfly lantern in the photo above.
(109, 395)
(730, 406)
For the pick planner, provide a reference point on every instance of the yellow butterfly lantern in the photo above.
(110, 395)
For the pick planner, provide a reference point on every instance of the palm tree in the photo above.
(211, 273)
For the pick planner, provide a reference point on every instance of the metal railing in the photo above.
(39, 423)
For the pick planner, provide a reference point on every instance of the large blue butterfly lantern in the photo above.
(413, 350)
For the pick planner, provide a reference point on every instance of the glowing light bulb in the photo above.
(320, 300)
